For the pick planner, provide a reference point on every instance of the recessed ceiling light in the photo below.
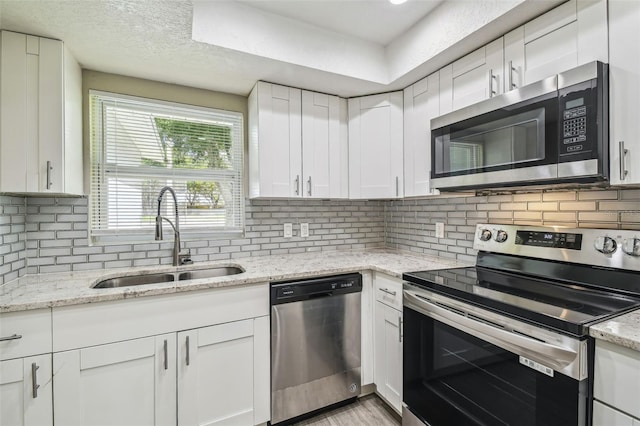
(397, 1)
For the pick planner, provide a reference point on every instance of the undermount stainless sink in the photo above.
(133, 280)
(221, 271)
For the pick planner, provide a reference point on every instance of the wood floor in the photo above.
(368, 410)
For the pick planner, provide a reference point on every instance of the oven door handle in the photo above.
(550, 355)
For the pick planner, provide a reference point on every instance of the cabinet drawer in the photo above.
(388, 290)
(617, 377)
(26, 333)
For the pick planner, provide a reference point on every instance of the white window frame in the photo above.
(99, 235)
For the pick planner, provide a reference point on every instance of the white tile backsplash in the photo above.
(46, 234)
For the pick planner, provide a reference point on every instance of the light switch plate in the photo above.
(439, 230)
(304, 230)
(288, 230)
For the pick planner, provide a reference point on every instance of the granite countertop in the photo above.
(623, 330)
(73, 288)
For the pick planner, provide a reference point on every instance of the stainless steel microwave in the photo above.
(549, 132)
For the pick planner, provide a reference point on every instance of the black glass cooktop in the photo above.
(568, 302)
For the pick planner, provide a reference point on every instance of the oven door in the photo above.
(467, 366)
(508, 139)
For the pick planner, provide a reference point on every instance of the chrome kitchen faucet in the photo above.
(178, 259)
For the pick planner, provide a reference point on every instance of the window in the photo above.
(138, 146)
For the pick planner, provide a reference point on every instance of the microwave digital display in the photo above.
(575, 103)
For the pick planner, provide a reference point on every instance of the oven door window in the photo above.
(453, 378)
(524, 135)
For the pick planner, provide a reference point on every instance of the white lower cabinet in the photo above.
(387, 337)
(197, 358)
(616, 386)
(603, 415)
(388, 354)
(217, 369)
(211, 372)
(25, 391)
(131, 382)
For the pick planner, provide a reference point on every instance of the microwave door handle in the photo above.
(545, 353)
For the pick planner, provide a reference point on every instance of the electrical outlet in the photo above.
(288, 230)
(439, 230)
(304, 230)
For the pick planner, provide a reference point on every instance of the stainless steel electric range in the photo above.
(506, 342)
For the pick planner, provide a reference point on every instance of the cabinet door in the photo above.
(603, 415)
(275, 156)
(40, 116)
(473, 78)
(131, 382)
(388, 354)
(375, 146)
(25, 391)
(18, 76)
(572, 34)
(421, 104)
(624, 86)
(216, 375)
(51, 117)
(616, 377)
(321, 148)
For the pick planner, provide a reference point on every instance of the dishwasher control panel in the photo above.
(290, 291)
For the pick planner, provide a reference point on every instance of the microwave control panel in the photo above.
(578, 122)
(574, 126)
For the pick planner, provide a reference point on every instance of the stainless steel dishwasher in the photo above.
(315, 345)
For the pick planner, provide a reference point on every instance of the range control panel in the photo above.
(600, 247)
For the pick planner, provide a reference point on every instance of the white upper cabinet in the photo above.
(375, 146)
(472, 78)
(297, 143)
(421, 104)
(275, 141)
(325, 150)
(572, 34)
(624, 89)
(40, 117)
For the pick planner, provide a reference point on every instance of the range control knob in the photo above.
(501, 236)
(485, 235)
(606, 245)
(631, 246)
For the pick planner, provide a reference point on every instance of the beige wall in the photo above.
(94, 80)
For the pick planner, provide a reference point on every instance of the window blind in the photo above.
(139, 145)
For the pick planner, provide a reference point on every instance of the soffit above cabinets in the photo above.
(343, 47)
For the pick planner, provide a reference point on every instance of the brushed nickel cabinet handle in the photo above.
(166, 355)
(492, 77)
(397, 186)
(623, 154)
(297, 184)
(187, 343)
(400, 329)
(34, 379)
(512, 85)
(309, 186)
(386, 290)
(14, 336)
(49, 169)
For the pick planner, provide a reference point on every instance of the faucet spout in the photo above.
(176, 226)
